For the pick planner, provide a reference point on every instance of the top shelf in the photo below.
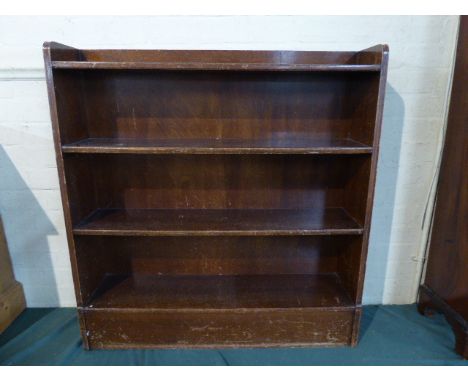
(66, 57)
(239, 66)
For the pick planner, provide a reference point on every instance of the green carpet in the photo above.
(390, 335)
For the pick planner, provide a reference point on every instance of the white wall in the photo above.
(421, 58)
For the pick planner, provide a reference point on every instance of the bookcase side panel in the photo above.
(52, 50)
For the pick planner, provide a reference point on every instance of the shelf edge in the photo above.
(331, 232)
(71, 149)
(114, 65)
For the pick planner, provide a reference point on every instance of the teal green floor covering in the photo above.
(390, 335)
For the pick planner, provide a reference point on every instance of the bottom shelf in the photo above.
(220, 311)
(221, 292)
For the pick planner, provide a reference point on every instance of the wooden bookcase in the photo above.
(217, 198)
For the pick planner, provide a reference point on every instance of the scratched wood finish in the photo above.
(221, 292)
(445, 287)
(122, 328)
(304, 144)
(216, 222)
(216, 255)
(217, 198)
(273, 110)
(238, 182)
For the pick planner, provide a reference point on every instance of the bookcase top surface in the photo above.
(65, 57)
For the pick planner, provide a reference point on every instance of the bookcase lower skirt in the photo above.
(218, 328)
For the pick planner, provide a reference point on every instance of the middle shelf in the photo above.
(218, 222)
(277, 145)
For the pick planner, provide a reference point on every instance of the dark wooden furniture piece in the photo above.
(217, 198)
(445, 287)
(12, 301)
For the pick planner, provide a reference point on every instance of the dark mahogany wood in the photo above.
(213, 66)
(445, 287)
(222, 292)
(217, 198)
(279, 145)
(216, 222)
(220, 60)
(220, 328)
(213, 255)
(237, 182)
(266, 108)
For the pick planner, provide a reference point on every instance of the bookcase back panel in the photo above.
(216, 255)
(220, 105)
(210, 181)
(101, 256)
